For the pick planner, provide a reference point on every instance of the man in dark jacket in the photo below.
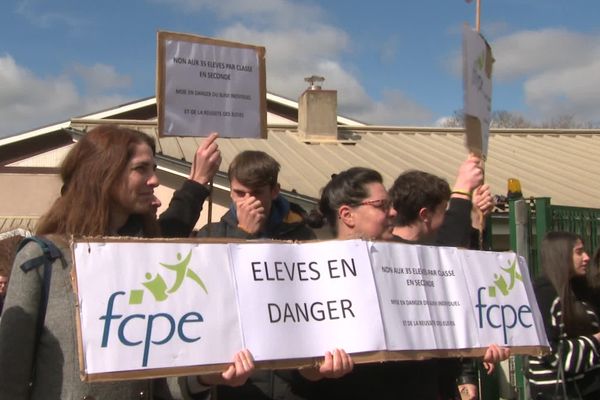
(429, 212)
(258, 211)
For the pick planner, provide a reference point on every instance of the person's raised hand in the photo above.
(206, 160)
(483, 200)
(470, 175)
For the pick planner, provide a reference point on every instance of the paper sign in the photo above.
(477, 81)
(147, 308)
(295, 300)
(443, 298)
(208, 85)
(155, 306)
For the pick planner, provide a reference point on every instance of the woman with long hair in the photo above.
(108, 178)
(572, 369)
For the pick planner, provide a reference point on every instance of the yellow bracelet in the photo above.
(461, 191)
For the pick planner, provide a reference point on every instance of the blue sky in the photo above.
(392, 62)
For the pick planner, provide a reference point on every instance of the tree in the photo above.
(509, 119)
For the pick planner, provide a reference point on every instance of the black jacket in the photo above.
(285, 223)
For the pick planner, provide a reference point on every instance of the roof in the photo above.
(560, 164)
(17, 225)
(549, 163)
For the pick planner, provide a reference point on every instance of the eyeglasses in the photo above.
(382, 204)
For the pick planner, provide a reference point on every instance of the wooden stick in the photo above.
(210, 203)
(477, 15)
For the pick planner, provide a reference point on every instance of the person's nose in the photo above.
(153, 180)
(392, 213)
(586, 258)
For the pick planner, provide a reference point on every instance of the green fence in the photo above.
(529, 221)
(545, 217)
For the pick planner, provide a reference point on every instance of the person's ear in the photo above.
(275, 191)
(346, 215)
(424, 214)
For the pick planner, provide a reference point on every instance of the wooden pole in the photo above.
(210, 206)
(477, 15)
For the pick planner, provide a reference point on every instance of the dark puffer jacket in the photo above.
(285, 223)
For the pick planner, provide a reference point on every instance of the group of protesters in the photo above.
(108, 180)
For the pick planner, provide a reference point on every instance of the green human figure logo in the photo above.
(479, 62)
(500, 282)
(157, 285)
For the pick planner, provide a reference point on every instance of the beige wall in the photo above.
(30, 195)
(27, 195)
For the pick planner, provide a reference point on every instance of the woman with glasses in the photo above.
(356, 205)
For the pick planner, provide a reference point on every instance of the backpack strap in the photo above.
(50, 254)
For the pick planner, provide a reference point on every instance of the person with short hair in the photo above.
(258, 210)
(429, 212)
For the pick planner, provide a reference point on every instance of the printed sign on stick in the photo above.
(477, 81)
(207, 85)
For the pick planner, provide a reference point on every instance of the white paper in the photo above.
(210, 88)
(203, 286)
(335, 294)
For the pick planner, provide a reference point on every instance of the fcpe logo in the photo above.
(158, 286)
(160, 291)
(503, 316)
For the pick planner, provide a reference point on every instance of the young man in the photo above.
(429, 212)
(258, 210)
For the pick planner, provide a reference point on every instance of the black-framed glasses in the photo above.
(382, 204)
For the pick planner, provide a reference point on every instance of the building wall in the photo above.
(27, 194)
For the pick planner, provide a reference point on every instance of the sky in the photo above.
(392, 62)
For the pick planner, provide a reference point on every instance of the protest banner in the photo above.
(477, 82)
(208, 85)
(151, 308)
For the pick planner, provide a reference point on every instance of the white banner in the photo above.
(147, 305)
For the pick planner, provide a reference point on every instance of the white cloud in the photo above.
(28, 101)
(301, 43)
(282, 13)
(568, 90)
(40, 19)
(100, 77)
(532, 52)
(559, 69)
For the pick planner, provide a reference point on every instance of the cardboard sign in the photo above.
(206, 85)
(158, 308)
(477, 82)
